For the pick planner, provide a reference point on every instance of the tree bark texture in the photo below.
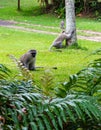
(70, 21)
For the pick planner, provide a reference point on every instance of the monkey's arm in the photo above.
(69, 35)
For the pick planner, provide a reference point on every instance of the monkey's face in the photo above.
(32, 52)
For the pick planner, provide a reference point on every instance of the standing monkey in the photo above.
(57, 43)
(28, 59)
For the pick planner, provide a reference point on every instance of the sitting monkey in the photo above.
(57, 43)
(28, 59)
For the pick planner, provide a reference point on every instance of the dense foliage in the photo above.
(81, 6)
(23, 106)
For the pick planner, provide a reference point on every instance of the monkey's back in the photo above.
(61, 37)
(25, 58)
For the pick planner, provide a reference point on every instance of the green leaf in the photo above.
(68, 110)
(46, 122)
(79, 112)
(27, 97)
(61, 112)
(24, 128)
(40, 124)
(33, 126)
(53, 119)
(59, 119)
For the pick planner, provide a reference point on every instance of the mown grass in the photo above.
(88, 24)
(69, 61)
(17, 42)
(30, 12)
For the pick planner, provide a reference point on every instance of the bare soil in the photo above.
(87, 34)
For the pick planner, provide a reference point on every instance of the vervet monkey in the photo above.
(28, 59)
(57, 43)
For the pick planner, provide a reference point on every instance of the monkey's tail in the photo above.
(54, 67)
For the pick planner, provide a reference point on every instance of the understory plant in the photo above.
(86, 81)
(76, 105)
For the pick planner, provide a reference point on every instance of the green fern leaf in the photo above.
(33, 110)
(70, 114)
(40, 123)
(53, 119)
(24, 128)
(85, 109)
(59, 119)
(27, 97)
(61, 112)
(14, 118)
(33, 126)
(46, 122)
(79, 112)
(94, 110)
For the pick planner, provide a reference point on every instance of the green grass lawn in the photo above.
(69, 61)
(16, 42)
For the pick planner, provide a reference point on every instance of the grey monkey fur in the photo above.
(57, 43)
(28, 59)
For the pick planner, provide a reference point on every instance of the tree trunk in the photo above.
(18, 4)
(46, 2)
(70, 21)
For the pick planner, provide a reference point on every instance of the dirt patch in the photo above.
(6, 23)
(90, 35)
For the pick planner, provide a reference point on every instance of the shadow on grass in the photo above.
(34, 11)
(77, 47)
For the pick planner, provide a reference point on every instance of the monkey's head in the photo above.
(33, 52)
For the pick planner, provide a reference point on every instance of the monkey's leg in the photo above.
(31, 67)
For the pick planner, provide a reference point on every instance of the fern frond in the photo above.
(4, 72)
(43, 113)
(23, 71)
(47, 81)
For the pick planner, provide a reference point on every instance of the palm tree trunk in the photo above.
(70, 21)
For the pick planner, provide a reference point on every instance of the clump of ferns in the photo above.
(47, 82)
(5, 74)
(24, 73)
